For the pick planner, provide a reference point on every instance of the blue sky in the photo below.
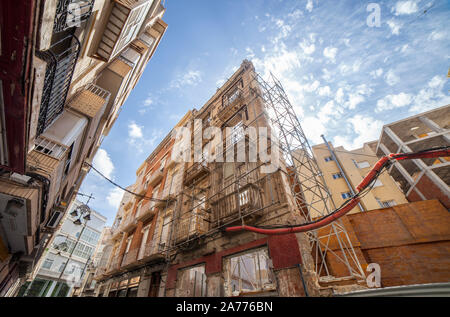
(344, 78)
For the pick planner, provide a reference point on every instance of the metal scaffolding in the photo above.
(307, 183)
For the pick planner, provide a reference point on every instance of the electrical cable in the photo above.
(123, 188)
(363, 188)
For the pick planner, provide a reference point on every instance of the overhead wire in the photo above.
(125, 189)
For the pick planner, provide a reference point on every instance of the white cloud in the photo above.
(324, 91)
(395, 26)
(391, 78)
(103, 163)
(340, 95)
(135, 131)
(431, 96)
(313, 128)
(308, 48)
(405, 7)
(191, 78)
(393, 101)
(435, 35)
(365, 128)
(330, 53)
(115, 197)
(309, 5)
(436, 81)
(354, 100)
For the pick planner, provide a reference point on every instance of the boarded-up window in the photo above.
(228, 170)
(191, 282)
(248, 272)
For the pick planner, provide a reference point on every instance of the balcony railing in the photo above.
(145, 211)
(197, 170)
(128, 222)
(61, 59)
(70, 13)
(236, 204)
(154, 250)
(191, 226)
(130, 257)
(48, 147)
(155, 178)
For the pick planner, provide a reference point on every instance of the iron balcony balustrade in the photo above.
(192, 225)
(197, 170)
(61, 59)
(236, 204)
(70, 13)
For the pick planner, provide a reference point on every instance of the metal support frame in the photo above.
(307, 184)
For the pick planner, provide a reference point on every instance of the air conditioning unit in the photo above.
(55, 218)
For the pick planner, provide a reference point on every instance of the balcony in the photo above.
(145, 212)
(130, 257)
(61, 59)
(230, 104)
(51, 148)
(231, 206)
(128, 223)
(192, 226)
(122, 27)
(154, 252)
(70, 13)
(155, 178)
(197, 170)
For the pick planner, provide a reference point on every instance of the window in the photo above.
(128, 244)
(47, 264)
(163, 163)
(228, 170)
(145, 231)
(164, 233)
(248, 272)
(191, 282)
(90, 236)
(363, 164)
(346, 195)
(83, 251)
(244, 197)
(337, 175)
(237, 133)
(132, 26)
(328, 159)
(387, 203)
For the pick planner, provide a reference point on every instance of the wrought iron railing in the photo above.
(195, 171)
(191, 225)
(61, 59)
(70, 13)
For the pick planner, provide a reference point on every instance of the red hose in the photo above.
(352, 203)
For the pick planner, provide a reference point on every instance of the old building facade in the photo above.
(81, 61)
(183, 249)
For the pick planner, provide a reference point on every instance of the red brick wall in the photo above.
(430, 190)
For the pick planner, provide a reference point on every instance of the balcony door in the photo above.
(145, 232)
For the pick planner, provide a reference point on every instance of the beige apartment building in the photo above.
(177, 245)
(343, 170)
(84, 58)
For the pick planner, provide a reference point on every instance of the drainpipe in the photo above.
(303, 280)
(341, 170)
